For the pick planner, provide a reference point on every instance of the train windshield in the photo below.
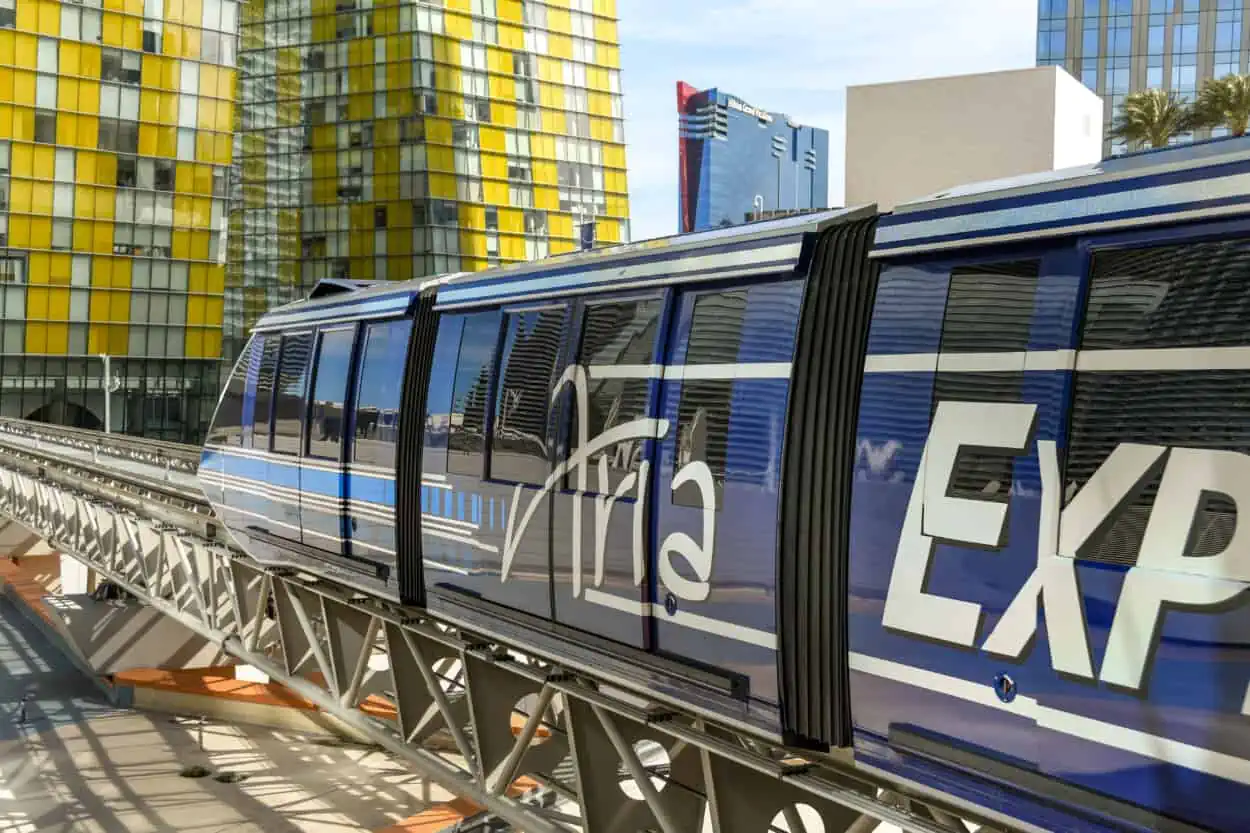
(227, 425)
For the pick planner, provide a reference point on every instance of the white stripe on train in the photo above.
(1135, 741)
(1158, 359)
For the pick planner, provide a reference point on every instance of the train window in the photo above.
(703, 413)
(614, 335)
(466, 426)
(264, 393)
(442, 383)
(227, 425)
(288, 404)
(1180, 296)
(385, 353)
(518, 450)
(325, 422)
(989, 309)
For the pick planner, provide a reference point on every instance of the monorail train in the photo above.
(956, 488)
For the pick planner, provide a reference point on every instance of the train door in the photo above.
(518, 484)
(1154, 517)
(715, 500)
(370, 466)
(322, 482)
(962, 418)
(289, 393)
(600, 534)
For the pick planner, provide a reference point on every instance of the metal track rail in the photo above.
(159, 453)
(528, 737)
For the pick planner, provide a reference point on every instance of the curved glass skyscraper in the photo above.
(737, 161)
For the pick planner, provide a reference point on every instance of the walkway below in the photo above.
(74, 764)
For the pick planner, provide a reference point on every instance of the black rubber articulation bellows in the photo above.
(817, 476)
(411, 444)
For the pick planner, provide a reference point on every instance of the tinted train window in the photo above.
(703, 413)
(288, 404)
(466, 428)
(519, 442)
(227, 427)
(378, 394)
(264, 393)
(615, 336)
(989, 309)
(325, 423)
(1186, 296)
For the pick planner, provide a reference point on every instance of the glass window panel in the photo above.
(288, 408)
(519, 442)
(1184, 296)
(467, 421)
(703, 410)
(325, 433)
(227, 423)
(385, 354)
(264, 393)
(615, 335)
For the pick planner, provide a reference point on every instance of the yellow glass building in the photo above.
(115, 145)
(391, 140)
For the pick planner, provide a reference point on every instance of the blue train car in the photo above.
(951, 492)
(599, 473)
(1047, 565)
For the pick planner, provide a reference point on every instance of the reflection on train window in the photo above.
(227, 428)
(616, 337)
(264, 393)
(1190, 295)
(378, 394)
(325, 423)
(519, 441)
(703, 413)
(989, 309)
(466, 424)
(288, 405)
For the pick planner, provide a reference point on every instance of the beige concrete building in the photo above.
(914, 138)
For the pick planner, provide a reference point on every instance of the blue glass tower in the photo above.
(737, 161)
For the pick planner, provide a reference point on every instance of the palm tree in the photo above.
(1152, 117)
(1225, 102)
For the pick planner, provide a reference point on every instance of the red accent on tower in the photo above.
(684, 93)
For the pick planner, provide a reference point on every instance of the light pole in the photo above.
(109, 386)
(758, 204)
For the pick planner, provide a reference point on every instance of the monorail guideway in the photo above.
(532, 737)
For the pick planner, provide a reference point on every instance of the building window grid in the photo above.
(46, 202)
(1181, 21)
(517, 195)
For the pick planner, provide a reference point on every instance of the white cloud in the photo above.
(796, 57)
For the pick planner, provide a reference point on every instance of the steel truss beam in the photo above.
(512, 732)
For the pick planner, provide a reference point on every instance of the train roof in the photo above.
(767, 246)
(1186, 182)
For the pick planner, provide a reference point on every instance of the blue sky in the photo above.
(795, 57)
